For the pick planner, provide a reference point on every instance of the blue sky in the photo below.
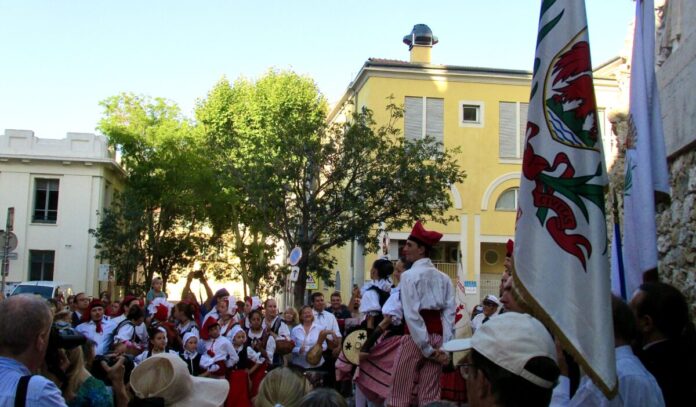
(59, 58)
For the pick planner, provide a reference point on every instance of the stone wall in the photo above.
(676, 74)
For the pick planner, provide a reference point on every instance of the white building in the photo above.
(57, 187)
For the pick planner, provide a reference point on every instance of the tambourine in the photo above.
(352, 344)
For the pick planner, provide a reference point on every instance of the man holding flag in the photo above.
(560, 253)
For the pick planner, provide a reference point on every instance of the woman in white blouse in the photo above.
(306, 335)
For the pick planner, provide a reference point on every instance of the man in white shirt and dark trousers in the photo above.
(427, 295)
(327, 320)
(637, 387)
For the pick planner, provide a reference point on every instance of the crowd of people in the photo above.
(392, 345)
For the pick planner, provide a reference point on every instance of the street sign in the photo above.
(103, 272)
(294, 273)
(12, 243)
(295, 256)
(311, 283)
(10, 256)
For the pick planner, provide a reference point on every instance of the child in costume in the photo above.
(190, 354)
(218, 355)
(158, 344)
(247, 364)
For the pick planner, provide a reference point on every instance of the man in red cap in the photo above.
(427, 295)
(93, 325)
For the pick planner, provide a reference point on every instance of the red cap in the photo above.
(161, 312)
(424, 237)
(510, 245)
(86, 317)
(209, 322)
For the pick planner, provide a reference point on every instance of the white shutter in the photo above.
(434, 118)
(524, 108)
(508, 130)
(413, 118)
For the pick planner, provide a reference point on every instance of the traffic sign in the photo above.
(12, 243)
(294, 273)
(10, 256)
(311, 283)
(295, 256)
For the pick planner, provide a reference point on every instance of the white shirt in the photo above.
(190, 326)
(326, 320)
(283, 330)
(305, 342)
(478, 320)
(637, 387)
(369, 301)
(270, 344)
(222, 349)
(393, 307)
(253, 355)
(146, 354)
(89, 329)
(423, 287)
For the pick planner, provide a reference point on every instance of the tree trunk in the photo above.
(299, 289)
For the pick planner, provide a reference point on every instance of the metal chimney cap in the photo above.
(420, 35)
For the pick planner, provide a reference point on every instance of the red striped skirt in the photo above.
(374, 377)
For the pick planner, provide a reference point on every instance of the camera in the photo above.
(62, 336)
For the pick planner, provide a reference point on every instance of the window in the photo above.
(507, 201)
(46, 200)
(513, 124)
(41, 265)
(470, 114)
(424, 116)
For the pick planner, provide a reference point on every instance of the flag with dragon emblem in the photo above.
(646, 161)
(561, 261)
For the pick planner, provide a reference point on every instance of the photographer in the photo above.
(26, 326)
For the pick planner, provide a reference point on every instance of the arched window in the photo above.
(507, 201)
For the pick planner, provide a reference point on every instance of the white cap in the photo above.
(492, 298)
(510, 340)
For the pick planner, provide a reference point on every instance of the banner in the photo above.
(561, 259)
(646, 161)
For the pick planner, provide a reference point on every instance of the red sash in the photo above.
(433, 322)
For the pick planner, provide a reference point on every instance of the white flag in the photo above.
(646, 161)
(562, 267)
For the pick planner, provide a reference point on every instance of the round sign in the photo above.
(12, 240)
(295, 256)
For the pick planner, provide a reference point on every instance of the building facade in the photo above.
(57, 188)
(482, 111)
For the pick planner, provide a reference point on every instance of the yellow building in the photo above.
(481, 110)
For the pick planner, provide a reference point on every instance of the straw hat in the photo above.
(166, 376)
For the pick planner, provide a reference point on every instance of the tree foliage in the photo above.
(320, 186)
(155, 223)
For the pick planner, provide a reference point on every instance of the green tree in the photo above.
(320, 186)
(155, 225)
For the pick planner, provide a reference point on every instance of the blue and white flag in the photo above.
(646, 161)
(561, 250)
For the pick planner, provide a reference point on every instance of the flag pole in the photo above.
(617, 241)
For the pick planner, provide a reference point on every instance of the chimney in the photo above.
(420, 42)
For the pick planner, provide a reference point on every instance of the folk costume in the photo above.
(218, 355)
(192, 359)
(95, 330)
(238, 374)
(427, 295)
(374, 377)
(264, 344)
(278, 329)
